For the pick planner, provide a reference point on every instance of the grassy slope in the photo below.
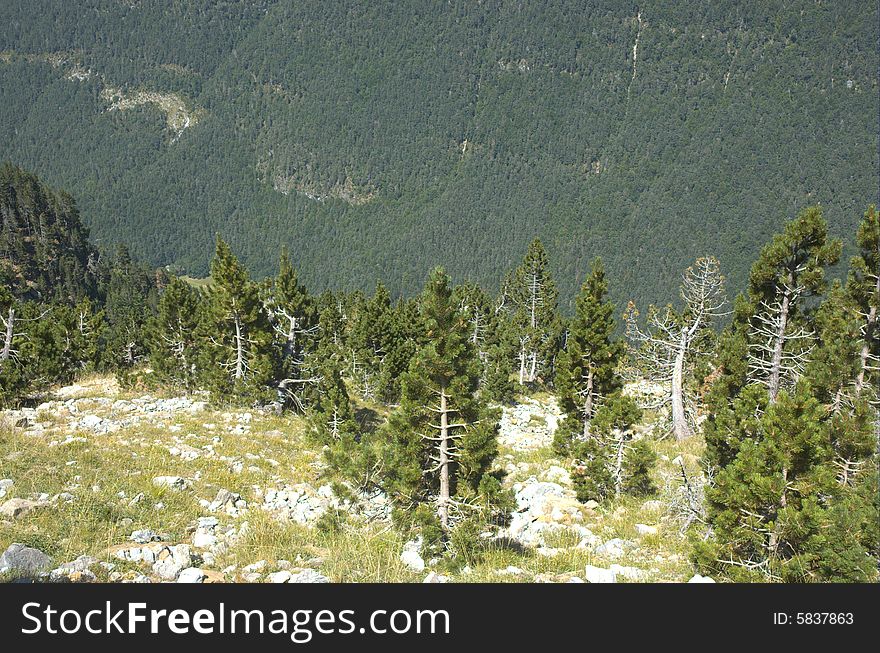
(104, 472)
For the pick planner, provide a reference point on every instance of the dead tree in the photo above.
(668, 344)
(7, 322)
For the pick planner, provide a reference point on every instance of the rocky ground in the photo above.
(102, 485)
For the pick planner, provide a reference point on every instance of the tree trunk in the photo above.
(776, 362)
(443, 502)
(7, 340)
(866, 348)
(533, 369)
(522, 364)
(679, 420)
(290, 344)
(588, 405)
(239, 349)
(533, 288)
(618, 468)
(773, 544)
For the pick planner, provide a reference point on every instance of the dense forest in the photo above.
(377, 140)
(784, 391)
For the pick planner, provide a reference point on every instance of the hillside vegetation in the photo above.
(380, 139)
(255, 428)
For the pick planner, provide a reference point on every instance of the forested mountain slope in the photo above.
(379, 139)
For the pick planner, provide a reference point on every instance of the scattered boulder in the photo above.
(191, 575)
(529, 425)
(228, 502)
(17, 508)
(543, 507)
(171, 482)
(557, 474)
(614, 548)
(411, 555)
(172, 560)
(644, 529)
(75, 571)
(90, 422)
(510, 570)
(24, 561)
(599, 575)
(300, 503)
(5, 484)
(259, 565)
(145, 536)
(308, 576)
(630, 573)
(279, 576)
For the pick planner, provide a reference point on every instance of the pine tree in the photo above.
(294, 320)
(400, 346)
(129, 307)
(487, 334)
(586, 370)
(372, 333)
(789, 268)
(610, 462)
(442, 440)
(352, 454)
(776, 507)
(331, 335)
(835, 358)
(174, 345)
(237, 356)
(533, 297)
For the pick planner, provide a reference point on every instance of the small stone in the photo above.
(412, 560)
(630, 573)
(696, 578)
(411, 556)
(173, 561)
(259, 565)
(198, 407)
(171, 482)
(614, 548)
(644, 529)
(90, 421)
(145, 536)
(308, 576)
(434, 577)
(191, 575)
(599, 575)
(204, 540)
(279, 576)
(652, 505)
